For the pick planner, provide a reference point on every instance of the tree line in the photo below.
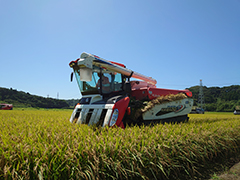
(224, 99)
(23, 99)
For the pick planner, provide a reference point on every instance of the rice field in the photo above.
(43, 144)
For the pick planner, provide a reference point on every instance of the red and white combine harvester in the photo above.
(110, 98)
(6, 106)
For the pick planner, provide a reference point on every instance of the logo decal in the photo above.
(173, 108)
(170, 109)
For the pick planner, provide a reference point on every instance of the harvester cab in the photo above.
(93, 79)
(109, 97)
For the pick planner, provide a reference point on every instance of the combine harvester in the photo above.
(6, 106)
(109, 98)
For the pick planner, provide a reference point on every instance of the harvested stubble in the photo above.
(44, 145)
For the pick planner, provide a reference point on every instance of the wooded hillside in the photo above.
(22, 99)
(218, 99)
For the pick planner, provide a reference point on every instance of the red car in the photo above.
(6, 106)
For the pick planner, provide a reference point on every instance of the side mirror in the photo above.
(71, 78)
(127, 87)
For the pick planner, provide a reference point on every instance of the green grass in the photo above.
(43, 144)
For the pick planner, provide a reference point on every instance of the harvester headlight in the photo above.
(114, 118)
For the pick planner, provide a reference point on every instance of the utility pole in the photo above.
(201, 102)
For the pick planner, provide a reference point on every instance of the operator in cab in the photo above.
(105, 83)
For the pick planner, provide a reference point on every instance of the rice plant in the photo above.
(43, 144)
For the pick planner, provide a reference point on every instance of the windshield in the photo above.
(111, 82)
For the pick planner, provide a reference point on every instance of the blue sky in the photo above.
(177, 42)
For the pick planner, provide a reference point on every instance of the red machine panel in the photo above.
(152, 93)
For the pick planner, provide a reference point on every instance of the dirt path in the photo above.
(232, 174)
